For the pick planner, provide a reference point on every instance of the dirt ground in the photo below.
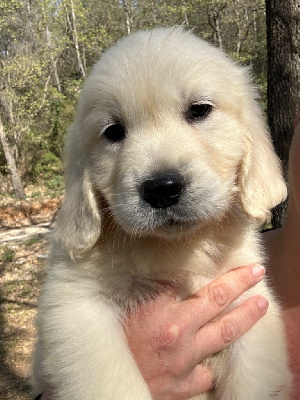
(25, 227)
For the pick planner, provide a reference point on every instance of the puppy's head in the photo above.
(168, 132)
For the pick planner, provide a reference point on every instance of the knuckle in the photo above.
(228, 331)
(168, 337)
(182, 392)
(244, 278)
(252, 312)
(218, 294)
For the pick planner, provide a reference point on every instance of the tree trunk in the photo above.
(73, 28)
(11, 164)
(283, 45)
(53, 61)
(128, 15)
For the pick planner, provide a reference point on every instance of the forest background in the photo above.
(47, 47)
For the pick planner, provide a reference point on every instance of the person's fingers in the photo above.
(205, 304)
(199, 381)
(220, 333)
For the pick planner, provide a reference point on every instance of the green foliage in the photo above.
(7, 254)
(49, 171)
(37, 194)
(32, 241)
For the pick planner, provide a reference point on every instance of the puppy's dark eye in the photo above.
(115, 133)
(199, 111)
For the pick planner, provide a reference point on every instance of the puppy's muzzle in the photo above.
(163, 190)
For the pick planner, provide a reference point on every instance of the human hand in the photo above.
(169, 340)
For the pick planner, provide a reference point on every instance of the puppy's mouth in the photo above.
(173, 222)
(173, 227)
(181, 224)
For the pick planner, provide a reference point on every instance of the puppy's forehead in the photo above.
(161, 68)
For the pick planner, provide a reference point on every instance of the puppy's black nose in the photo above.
(163, 191)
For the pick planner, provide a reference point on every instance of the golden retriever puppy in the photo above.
(169, 172)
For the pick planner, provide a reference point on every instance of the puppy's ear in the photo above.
(261, 183)
(79, 221)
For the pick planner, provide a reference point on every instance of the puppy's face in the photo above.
(171, 175)
(164, 132)
(168, 146)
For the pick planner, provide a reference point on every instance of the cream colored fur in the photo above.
(111, 249)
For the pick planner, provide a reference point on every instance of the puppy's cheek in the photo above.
(129, 211)
(104, 188)
(211, 206)
(210, 191)
(103, 179)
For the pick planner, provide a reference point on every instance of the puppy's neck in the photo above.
(207, 252)
(132, 268)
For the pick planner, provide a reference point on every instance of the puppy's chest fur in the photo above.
(134, 271)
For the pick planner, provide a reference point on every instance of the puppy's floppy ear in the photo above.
(79, 221)
(261, 183)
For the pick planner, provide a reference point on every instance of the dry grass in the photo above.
(21, 273)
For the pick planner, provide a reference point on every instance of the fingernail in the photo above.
(262, 303)
(258, 271)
